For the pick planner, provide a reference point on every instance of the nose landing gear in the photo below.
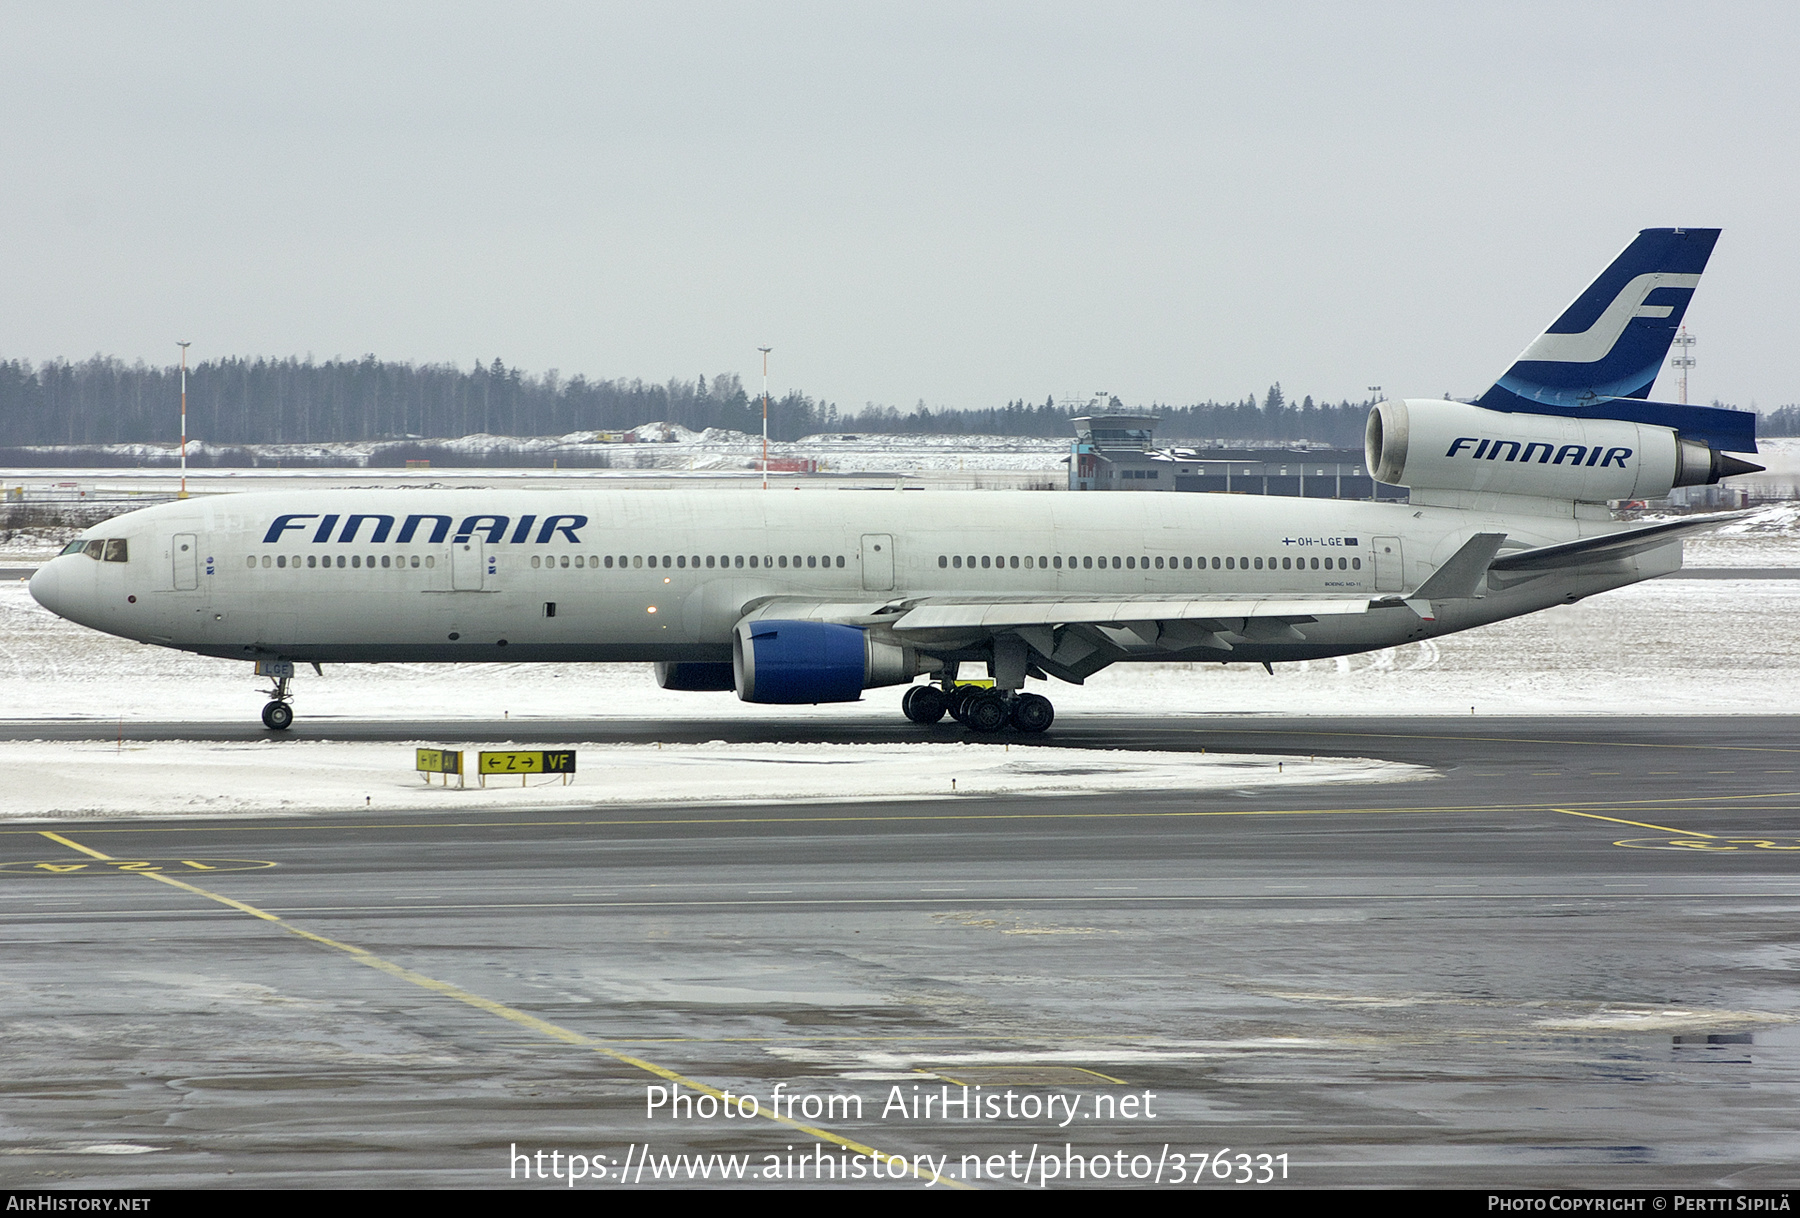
(277, 716)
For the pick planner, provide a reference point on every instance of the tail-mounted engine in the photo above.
(1427, 444)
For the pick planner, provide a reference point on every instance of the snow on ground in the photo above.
(1683, 646)
(1712, 647)
(295, 775)
(1770, 538)
(35, 545)
(652, 446)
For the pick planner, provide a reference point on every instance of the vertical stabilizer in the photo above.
(1611, 342)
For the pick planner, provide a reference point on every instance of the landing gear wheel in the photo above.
(1032, 713)
(959, 704)
(986, 712)
(924, 704)
(278, 716)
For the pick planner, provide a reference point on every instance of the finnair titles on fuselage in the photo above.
(809, 597)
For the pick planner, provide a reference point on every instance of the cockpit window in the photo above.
(74, 547)
(115, 550)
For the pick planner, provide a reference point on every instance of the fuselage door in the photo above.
(466, 564)
(185, 549)
(877, 562)
(1388, 573)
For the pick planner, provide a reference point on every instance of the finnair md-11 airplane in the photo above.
(808, 598)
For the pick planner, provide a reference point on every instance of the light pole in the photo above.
(765, 351)
(184, 347)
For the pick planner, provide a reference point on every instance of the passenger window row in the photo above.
(342, 561)
(115, 551)
(699, 561)
(1089, 562)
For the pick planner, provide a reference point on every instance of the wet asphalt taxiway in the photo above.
(1568, 959)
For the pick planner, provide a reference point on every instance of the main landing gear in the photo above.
(277, 716)
(979, 707)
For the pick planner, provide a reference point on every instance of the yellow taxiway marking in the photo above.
(512, 1014)
(60, 839)
(97, 867)
(1636, 824)
(291, 826)
(1723, 845)
(1686, 839)
(1567, 743)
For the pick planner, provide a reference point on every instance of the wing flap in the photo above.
(1008, 615)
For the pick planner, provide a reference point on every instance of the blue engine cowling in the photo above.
(776, 661)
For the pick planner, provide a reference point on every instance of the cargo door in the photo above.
(878, 562)
(185, 550)
(1388, 572)
(467, 562)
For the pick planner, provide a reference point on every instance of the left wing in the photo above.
(1073, 637)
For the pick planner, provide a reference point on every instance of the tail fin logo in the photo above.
(1597, 341)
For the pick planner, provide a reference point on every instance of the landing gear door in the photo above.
(184, 548)
(1388, 573)
(466, 565)
(878, 562)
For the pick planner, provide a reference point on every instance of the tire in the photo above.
(925, 704)
(278, 716)
(986, 712)
(1032, 713)
(906, 701)
(959, 705)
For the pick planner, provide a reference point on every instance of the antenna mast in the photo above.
(1685, 359)
(184, 347)
(765, 351)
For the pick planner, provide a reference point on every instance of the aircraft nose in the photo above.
(46, 587)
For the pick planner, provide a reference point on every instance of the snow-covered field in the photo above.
(651, 447)
(1684, 647)
(1770, 538)
(1673, 645)
(1669, 646)
(1711, 647)
(296, 775)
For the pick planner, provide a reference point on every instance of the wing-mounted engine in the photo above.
(801, 661)
(1433, 445)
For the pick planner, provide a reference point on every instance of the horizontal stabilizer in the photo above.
(1714, 426)
(1608, 546)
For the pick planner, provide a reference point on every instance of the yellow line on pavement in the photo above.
(604, 822)
(542, 1026)
(57, 837)
(1617, 820)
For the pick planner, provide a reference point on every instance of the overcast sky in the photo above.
(958, 203)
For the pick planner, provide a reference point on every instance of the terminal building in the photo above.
(1118, 452)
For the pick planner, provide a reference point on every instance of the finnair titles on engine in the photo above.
(813, 598)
